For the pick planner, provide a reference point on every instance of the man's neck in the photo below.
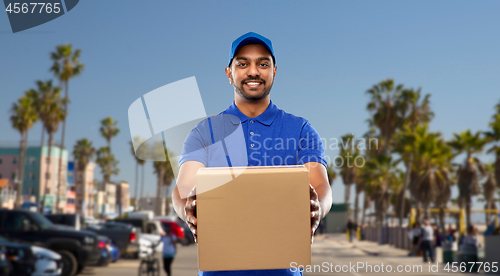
(252, 109)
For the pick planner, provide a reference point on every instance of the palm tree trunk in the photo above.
(427, 210)
(20, 177)
(468, 211)
(441, 218)
(347, 193)
(84, 188)
(488, 216)
(365, 206)
(39, 184)
(60, 180)
(406, 183)
(419, 212)
(47, 174)
(356, 203)
(136, 184)
(158, 192)
(142, 182)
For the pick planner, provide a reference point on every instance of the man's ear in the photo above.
(275, 69)
(228, 73)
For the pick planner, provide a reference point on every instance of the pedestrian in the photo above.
(414, 235)
(351, 227)
(426, 240)
(471, 238)
(251, 72)
(169, 250)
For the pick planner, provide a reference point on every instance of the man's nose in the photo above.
(253, 71)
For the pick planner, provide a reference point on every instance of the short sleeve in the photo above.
(194, 148)
(310, 146)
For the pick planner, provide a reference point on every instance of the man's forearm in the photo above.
(179, 204)
(325, 199)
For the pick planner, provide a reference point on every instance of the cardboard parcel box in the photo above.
(253, 218)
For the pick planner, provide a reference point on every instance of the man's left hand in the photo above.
(315, 210)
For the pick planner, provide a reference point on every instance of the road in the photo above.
(328, 254)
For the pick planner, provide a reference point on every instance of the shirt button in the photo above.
(252, 145)
(251, 121)
(251, 132)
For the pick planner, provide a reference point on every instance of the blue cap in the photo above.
(249, 38)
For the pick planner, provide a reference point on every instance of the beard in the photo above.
(252, 98)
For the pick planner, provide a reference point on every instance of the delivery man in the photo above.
(268, 131)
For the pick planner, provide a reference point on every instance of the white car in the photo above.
(145, 247)
(155, 239)
(48, 263)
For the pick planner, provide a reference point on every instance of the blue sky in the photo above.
(328, 54)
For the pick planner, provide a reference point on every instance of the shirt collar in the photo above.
(267, 117)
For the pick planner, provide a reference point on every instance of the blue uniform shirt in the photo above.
(273, 138)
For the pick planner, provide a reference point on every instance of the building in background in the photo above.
(110, 199)
(84, 192)
(148, 204)
(122, 197)
(36, 180)
(70, 202)
(7, 194)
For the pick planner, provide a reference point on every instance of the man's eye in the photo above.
(264, 64)
(242, 64)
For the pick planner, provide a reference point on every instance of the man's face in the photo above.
(252, 72)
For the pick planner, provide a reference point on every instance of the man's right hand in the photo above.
(190, 213)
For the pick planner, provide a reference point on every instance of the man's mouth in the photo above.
(253, 84)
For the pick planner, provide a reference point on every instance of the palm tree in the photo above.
(489, 187)
(349, 172)
(471, 170)
(348, 169)
(381, 174)
(493, 137)
(108, 164)
(332, 174)
(383, 109)
(109, 129)
(51, 113)
(164, 173)
(138, 162)
(412, 111)
(83, 153)
(65, 67)
(24, 115)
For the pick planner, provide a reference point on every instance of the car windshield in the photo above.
(42, 221)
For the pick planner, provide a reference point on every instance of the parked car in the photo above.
(90, 221)
(75, 221)
(104, 248)
(48, 262)
(115, 253)
(77, 248)
(5, 266)
(151, 230)
(21, 257)
(188, 235)
(124, 236)
(177, 231)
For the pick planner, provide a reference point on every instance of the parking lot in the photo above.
(185, 263)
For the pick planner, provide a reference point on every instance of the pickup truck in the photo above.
(124, 236)
(151, 230)
(77, 248)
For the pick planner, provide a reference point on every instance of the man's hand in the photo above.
(315, 210)
(190, 213)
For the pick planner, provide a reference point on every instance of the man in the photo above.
(251, 71)
(351, 227)
(427, 237)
